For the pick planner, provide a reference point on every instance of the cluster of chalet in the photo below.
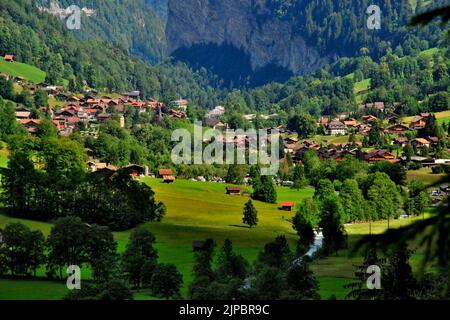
(92, 108)
(342, 124)
(336, 151)
(134, 170)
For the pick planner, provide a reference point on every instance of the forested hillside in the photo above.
(160, 7)
(40, 39)
(398, 73)
(250, 43)
(340, 26)
(409, 84)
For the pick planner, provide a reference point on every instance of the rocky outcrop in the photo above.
(248, 25)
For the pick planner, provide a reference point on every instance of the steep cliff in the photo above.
(244, 33)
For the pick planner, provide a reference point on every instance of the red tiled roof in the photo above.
(287, 204)
(165, 172)
(351, 123)
(23, 114)
(73, 119)
(27, 121)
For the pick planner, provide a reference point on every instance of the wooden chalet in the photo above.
(136, 170)
(165, 172)
(233, 190)
(21, 115)
(132, 95)
(392, 118)
(372, 105)
(337, 128)
(31, 124)
(418, 123)
(180, 104)
(401, 141)
(379, 155)
(421, 143)
(352, 123)
(104, 117)
(101, 167)
(369, 118)
(167, 175)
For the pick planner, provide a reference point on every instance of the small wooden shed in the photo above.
(233, 190)
(287, 206)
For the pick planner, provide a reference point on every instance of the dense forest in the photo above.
(331, 29)
(335, 26)
(409, 83)
(132, 24)
(397, 71)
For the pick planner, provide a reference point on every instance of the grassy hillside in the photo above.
(198, 211)
(30, 73)
(362, 86)
(429, 178)
(440, 116)
(31, 290)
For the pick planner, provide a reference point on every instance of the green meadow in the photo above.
(441, 117)
(429, 178)
(196, 211)
(28, 72)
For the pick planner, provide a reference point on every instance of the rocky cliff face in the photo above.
(250, 26)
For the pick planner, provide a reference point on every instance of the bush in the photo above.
(112, 290)
(438, 169)
(414, 166)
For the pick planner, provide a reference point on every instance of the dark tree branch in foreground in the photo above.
(433, 234)
(427, 17)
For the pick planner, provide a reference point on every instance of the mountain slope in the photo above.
(131, 23)
(239, 39)
(42, 40)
